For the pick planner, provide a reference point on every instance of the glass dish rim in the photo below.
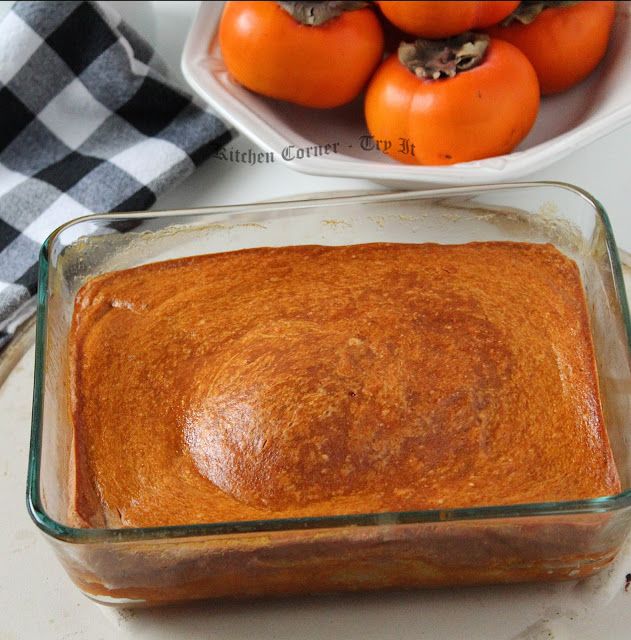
(66, 533)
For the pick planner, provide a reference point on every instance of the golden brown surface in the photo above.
(305, 381)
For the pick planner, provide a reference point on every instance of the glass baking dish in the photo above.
(494, 544)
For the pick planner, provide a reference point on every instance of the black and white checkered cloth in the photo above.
(88, 123)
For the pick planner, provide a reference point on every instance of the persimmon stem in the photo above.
(314, 14)
(528, 10)
(435, 59)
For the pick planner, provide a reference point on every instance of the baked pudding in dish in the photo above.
(326, 380)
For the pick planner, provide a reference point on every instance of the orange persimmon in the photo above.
(481, 111)
(563, 43)
(307, 58)
(445, 18)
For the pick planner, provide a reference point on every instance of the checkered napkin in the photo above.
(88, 123)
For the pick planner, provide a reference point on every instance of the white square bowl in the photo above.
(599, 105)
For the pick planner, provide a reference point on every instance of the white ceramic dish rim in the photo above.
(265, 135)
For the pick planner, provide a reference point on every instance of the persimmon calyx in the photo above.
(314, 14)
(527, 11)
(435, 59)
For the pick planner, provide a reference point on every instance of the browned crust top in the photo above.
(300, 381)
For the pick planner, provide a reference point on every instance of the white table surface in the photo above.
(37, 600)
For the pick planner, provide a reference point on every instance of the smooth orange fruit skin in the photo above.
(269, 52)
(564, 44)
(445, 18)
(479, 113)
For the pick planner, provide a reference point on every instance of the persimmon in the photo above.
(456, 100)
(564, 41)
(445, 18)
(392, 35)
(315, 54)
